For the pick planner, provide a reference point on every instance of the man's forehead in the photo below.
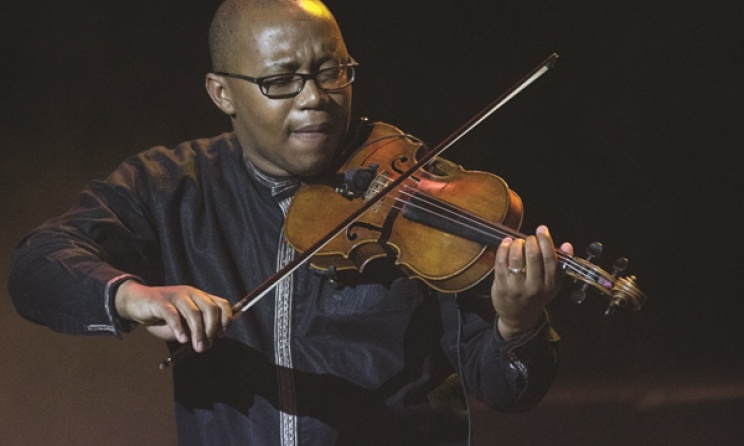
(268, 28)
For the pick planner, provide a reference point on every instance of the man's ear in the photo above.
(220, 93)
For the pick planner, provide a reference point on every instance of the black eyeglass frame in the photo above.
(352, 64)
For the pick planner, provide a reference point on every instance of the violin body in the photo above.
(389, 229)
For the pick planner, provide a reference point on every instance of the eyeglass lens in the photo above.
(329, 79)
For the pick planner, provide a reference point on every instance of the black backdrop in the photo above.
(630, 140)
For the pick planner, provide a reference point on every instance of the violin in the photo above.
(441, 225)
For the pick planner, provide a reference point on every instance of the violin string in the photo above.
(480, 225)
(483, 227)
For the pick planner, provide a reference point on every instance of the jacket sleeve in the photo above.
(509, 376)
(64, 273)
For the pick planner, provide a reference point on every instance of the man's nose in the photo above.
(311, 96)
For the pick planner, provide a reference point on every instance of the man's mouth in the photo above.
(312, 131)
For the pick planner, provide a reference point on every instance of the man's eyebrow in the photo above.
(292, 65)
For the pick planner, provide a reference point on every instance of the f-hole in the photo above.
(396, 162)
(351, 235)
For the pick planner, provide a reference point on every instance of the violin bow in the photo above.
(269, 284)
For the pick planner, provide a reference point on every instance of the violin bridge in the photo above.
(379, 183)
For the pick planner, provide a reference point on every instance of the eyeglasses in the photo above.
(280, 86)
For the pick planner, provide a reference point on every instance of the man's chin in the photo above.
(311, 170)
(307, 166)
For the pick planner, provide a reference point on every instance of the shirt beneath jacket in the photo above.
(374, 360)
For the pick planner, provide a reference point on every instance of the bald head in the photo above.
(224, 30)
(253, 43)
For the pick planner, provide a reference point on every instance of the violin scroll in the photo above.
(622, 291)
(626, 295)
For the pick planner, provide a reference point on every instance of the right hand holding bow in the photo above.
(175, 313)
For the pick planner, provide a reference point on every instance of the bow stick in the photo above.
(269, 284)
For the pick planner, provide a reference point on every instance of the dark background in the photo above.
(631, 140)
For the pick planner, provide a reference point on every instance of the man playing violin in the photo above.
(174, 237)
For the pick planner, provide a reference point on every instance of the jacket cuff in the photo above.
(543, 328)
(119, 324)
(523, 351)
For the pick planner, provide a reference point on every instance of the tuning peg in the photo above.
(611, 307)
(620, 265)
(593, 251)
(579, 295)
